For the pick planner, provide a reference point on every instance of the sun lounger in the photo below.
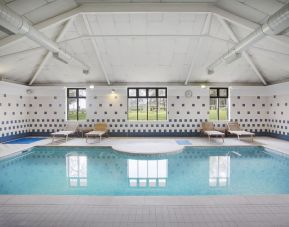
(209, 130)
(234, 128)
(70, 129)
(99, 130)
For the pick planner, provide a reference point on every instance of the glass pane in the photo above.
(82, 109)
(72, 109)
(132, 168)
(223, 93)
(224, 166)
(162, 92)
(142, 169)
(142, 109)
(152, 169)
(73, 182)
(71, 92)
(162, 111)
(163, 168)
(72, 166)
(213, 92)
(82, 166)
(132, 92)
(83, 182)
(213, 109)
(132, 109)
(152, 93)
(214, 166)
(223, 111)
(82, 92)
(152, 111)
(142, 92)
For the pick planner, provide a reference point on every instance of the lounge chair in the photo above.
(100, 129)
(209, 130)
(234, 128)
(70, 129)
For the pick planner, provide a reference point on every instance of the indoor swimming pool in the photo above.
(103, 171)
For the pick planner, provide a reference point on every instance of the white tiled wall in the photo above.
(184, 114)
(278, 122)
(259, 109)
(250, 112)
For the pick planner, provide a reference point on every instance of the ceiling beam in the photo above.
(83, 37)
(144, 8)
(245, 54)
(95, 47)
(48, 54)
(205, 31)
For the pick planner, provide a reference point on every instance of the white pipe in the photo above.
(275, 25)
(19, 25)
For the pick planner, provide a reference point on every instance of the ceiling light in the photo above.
(29, 91)
(210, 71)
(91, 86)
(85, 71)
(203, 86)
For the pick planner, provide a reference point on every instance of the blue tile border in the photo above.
(13, 137)
(142, 134)
(282, 137)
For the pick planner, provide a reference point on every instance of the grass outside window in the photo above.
(147, 104)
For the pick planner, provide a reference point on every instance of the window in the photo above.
(76, 104)
(147, 173)
(76, 170)
(147, 103)
(219, 171)
(218, 104)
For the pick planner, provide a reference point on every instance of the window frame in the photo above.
(77, 97)
(218, 96)
(156, 96)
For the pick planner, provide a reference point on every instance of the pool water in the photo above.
(103, 171)
(25, 140)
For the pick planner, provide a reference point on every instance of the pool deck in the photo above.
(142, 142)
(144, 211)
(155, 211)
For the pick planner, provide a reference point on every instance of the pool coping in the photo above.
(195, 200)
(274, 150)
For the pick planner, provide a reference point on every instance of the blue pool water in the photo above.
(26, 140)
(103, 171)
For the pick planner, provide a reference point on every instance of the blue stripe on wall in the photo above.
(141, 134)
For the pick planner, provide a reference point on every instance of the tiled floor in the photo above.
(145, 210)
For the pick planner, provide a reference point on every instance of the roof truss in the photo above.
(145, 8)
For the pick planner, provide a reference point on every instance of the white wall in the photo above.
(259, 109)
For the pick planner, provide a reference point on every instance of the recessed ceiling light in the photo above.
(91, 86)
(203, 86)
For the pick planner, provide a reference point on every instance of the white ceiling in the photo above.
(144, 47)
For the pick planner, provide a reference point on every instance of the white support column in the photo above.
(245, 54)
(95, 47)
(205, 31)
(49, 54)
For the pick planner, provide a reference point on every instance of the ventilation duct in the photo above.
(8, 32)
(19, 25)
(275, 25)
